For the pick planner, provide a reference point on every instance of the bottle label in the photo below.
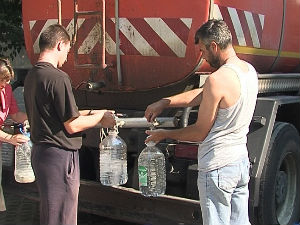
(142, 170)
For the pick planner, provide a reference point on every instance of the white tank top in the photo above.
(226, 141)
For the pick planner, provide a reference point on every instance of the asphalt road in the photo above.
(23, 211)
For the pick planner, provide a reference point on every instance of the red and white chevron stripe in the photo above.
(38, 26)
(138, 36)
(247, 26)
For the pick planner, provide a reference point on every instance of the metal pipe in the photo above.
(103, 64)
(142, 122)
(59, 11)
(289, 82)
(117, 26)
(279, 75)
(184, 122)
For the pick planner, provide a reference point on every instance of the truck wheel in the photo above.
(280, 181)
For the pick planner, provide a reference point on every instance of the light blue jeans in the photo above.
(224, 194)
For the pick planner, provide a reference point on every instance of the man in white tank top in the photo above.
(226, 105)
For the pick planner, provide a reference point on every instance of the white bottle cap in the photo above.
(151, 143)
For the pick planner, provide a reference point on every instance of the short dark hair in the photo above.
(52, 35)
(214, 30)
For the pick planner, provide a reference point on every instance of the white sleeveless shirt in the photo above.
(226, 141)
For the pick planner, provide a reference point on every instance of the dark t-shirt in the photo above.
(50, 102)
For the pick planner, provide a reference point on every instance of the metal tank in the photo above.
(146, 48)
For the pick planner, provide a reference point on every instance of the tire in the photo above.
(279, 201)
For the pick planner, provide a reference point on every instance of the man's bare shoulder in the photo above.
(213, 85)
(223, 81)
(226, 84)
(223, 72)
(221, 77)
(225, 77)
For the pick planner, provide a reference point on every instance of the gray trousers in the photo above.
(58, 178)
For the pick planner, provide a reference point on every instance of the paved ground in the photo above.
(19, 211)
(22, 211)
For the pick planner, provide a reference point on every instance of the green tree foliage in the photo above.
(11, 35)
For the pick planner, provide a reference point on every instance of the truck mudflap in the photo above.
(126, 204)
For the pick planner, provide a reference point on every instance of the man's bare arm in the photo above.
(185, 99)
(197, 132)
(77, 124)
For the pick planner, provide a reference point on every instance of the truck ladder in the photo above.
(78, 14)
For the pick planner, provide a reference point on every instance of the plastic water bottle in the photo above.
(152, 171)
(113, 159)
(23, 170)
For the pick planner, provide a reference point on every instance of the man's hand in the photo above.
(155, 109)
(108, 120)
(155, 135)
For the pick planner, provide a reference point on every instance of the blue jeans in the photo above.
(224, 194)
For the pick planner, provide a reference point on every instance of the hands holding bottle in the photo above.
(108, 119)
(155, 109)
(17, 139)
(151, 113)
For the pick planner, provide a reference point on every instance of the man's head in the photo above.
(210, 36)
(56, 38)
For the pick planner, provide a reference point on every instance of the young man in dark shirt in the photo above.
(56, 123)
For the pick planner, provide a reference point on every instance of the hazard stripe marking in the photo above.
(138, 36)
(152, 38)
(179, 28)
(92, 39)
(135, 38)
(217, 13)
(31, 24)
(170, 38)
(110, 45)
(262, 20)
(237, 26)
(247, 27)
(47, 24)
(38, 26)
(125, 45)
(227, 18)
(187, 22)
(252, 29)
(87, 35)
(70, 26)
(258, 25)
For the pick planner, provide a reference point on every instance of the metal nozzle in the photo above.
(94, 86)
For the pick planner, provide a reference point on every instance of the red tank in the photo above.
(146, 48)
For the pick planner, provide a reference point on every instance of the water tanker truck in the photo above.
(128, 54)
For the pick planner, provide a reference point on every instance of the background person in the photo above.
(226, 105)
(8, 106)
(55, 129)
